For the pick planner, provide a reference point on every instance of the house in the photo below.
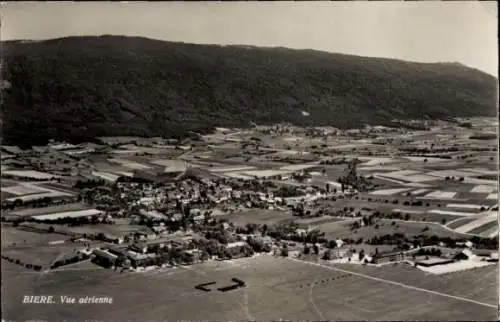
(113, 238)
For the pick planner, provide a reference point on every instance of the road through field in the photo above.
(394, 283)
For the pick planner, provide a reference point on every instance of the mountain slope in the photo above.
(80, 87)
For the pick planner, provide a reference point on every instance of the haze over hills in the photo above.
(78, 88)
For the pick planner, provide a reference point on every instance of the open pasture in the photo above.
(276, 289)
(484, 189)
(476, 181)
(460, 222)
(398, 182)
(465, 206)
(388, 168)
(438, 194)
(492, 196)
(373, 161)
(236, 175)
(418, 192)
(111, 177)
(388, 192)
(258, 216)
(470, 227)
(479, 284)
(48, 210)
(422, 215)
(120, 228)
(452, 173)
(231, 168)
(25, 188)
(70, 214)
(5, 183)
(129, 164)
(317, 220)
(265, 173)
(5, 195)
(24, 238)
(32, 174)
(48, 194)
(170, 164)
(486, 230)
(481, 171)
(425, 159)
(342, 229)
(451, 213)
(39, 255)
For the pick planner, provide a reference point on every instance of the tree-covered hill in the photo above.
(78, 88)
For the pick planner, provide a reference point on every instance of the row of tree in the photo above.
(19, 262)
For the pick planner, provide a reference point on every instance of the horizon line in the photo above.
(244, 45)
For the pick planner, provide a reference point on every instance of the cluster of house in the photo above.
(181, 250)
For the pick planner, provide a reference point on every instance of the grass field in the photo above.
(116, 229)
(5, 195)
(43, 256)
(258, 216)
(276, 289)
(24, 238)
(429, 217)
(48, 210)
(461, 222)
(484, 227)
(409, 229)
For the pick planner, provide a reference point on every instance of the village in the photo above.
(141, 204)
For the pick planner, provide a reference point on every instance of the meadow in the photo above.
(384, 227)
(258, 216)
(276, 289)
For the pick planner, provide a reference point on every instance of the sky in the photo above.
(430, 31)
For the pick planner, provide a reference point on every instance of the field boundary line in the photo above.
(311, 299)
(395, 283)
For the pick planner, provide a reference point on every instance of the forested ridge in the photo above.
(78, 88)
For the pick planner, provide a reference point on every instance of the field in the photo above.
(276, 289)
(20, 190)
(21, 237)
(388, 192)
(318, 220)
(120, 228)
(43, 256)
(129, 164)
(409, 229)
(106, 176)
(71, 214)
(29, 174)
(48, 210)
(480, 221)
(48, 194)
(258, 216)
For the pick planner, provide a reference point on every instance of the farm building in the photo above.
(388, 257)
(104, 258)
